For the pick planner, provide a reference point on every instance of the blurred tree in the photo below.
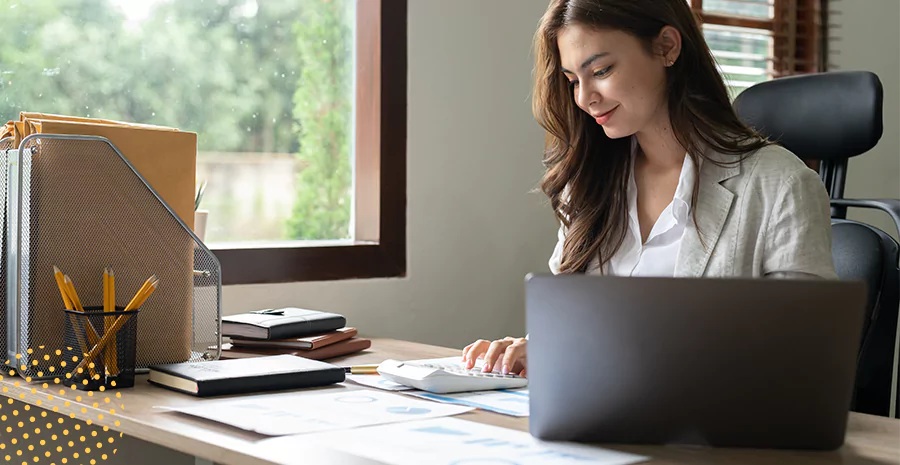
(224, 69)
(229, 70)
(44, 62)
(253, 42)
(324, 106)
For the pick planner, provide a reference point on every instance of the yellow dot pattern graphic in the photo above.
(78, 448)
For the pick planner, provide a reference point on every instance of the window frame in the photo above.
(379, 213)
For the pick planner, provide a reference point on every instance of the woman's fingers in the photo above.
(473, 351)
(514, 356)
(508, 353)
(466, 350)
(494, 352)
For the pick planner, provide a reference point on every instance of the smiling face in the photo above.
(614, 78)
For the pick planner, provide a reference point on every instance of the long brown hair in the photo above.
(587, 172)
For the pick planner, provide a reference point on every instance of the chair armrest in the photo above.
(889, 206)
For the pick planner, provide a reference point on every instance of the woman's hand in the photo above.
(509, 352)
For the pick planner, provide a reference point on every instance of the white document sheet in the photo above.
(294, 413)
(376, 381)
(449, 441)
(513, 402)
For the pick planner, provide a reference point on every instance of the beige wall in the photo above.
(865, 36)
(474, 153)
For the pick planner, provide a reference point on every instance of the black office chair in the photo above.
(831, 117)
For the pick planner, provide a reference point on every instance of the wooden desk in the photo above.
(870, 439)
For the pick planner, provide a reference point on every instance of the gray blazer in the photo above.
(767, 216)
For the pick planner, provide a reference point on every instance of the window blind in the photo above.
(757, 40)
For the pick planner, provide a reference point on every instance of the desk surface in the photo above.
(870, 439)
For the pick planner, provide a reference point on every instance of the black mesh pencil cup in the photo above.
(100, 348)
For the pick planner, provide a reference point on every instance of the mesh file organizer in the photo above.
(77, 203)
(5, 145)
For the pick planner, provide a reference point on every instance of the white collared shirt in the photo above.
(657, 256)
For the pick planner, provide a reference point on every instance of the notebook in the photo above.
(302, 343)
(221, 377)
(281, 323)
(350, 346)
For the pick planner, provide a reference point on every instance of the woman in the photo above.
(649, 170)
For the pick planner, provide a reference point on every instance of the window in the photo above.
(299, 107)
(757, 40)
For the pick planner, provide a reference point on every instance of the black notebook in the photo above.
(281, 323)
(245, 375)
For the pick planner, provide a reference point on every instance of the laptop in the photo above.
(759, 363)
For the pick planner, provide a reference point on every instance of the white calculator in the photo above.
(445, 375)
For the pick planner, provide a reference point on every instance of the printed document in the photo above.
(296, 413)
(449, 441)
(513, 402)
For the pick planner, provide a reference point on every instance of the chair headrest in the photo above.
(825, 116)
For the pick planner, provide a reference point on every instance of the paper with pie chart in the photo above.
(299, 413)
(450, 441)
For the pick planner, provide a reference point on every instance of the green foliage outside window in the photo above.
(270, 76)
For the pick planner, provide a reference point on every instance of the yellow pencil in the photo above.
(120, 321)
(109, 355)
(60, 282)
(362, 369)
(93, 338)
(134, 300)
(143, 297)
(112, 290)
(106, 289)
(70, 287)
(112, 308)
(89, 358)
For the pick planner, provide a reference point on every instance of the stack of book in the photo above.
(294, 331)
